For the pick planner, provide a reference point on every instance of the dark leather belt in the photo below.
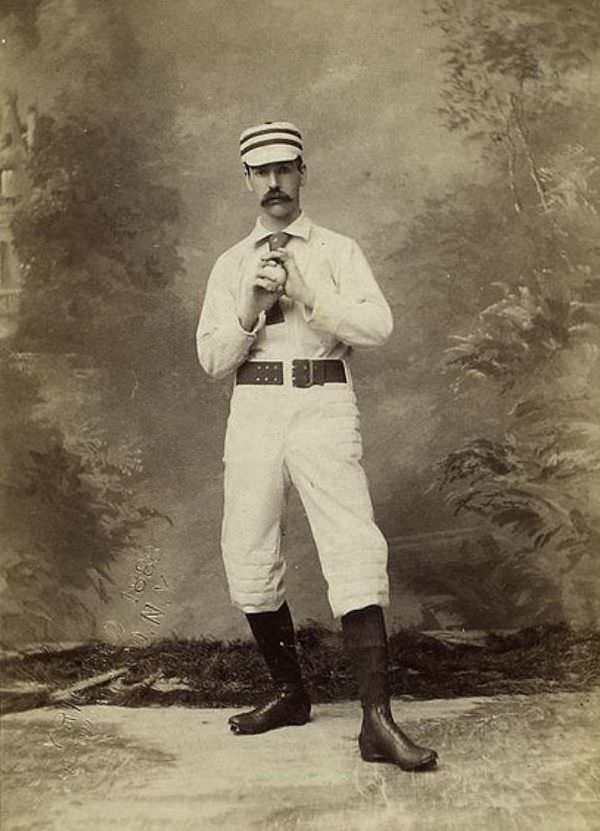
(305, 372)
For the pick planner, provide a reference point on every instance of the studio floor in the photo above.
(506, 763)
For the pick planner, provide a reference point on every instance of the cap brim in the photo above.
(270, 154)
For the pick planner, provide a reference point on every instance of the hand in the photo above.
(296, 288)
(260, 291)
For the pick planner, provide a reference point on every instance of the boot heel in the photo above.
(367, 750)
(299, 719)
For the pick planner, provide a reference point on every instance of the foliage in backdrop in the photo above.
(516, 261)
(96, 236)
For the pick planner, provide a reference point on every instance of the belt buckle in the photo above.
(302, 373)
(306, 373)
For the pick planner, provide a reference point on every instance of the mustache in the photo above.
(274, 194)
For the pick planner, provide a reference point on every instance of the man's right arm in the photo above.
(222, 343)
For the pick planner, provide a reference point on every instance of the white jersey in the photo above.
(349, 310)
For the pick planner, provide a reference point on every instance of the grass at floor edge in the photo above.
(213, 673)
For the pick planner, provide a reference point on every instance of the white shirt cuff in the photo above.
(256, 328)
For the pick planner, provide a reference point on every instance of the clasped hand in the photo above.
(277, 274)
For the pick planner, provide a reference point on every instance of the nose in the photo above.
(273, 179)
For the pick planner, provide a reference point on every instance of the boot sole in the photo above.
(428, 762)
(238, 730)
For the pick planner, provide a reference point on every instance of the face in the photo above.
(277, 188)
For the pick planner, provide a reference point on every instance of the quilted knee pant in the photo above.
(282, 435)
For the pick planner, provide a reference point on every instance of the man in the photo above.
(283, 310)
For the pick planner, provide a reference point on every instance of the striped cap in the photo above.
(273, 141)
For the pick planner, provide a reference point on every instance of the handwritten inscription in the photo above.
(148, 589)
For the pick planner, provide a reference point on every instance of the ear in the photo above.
(303, 175)
(247, 179)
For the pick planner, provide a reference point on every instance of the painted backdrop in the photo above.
(456, 141)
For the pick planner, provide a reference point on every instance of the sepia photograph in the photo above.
(300, 415)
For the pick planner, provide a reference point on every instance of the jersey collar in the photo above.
(300, 227)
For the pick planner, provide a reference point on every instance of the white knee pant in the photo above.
(282, 435)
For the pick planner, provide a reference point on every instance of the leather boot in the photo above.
(380, 739)
(290, 705)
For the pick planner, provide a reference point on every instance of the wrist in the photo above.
(248, 322)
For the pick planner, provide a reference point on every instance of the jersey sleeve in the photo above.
(352, 307)
(221, 342)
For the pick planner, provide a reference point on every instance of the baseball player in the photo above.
(283, 310)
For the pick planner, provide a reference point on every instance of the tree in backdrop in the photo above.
(516, 81)
(96, 235)
(69, 510)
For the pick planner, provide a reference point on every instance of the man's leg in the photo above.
(323, 457)
(324, 463)
(380, 739)
(256, 484)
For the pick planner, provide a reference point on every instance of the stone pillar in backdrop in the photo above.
(16, 140)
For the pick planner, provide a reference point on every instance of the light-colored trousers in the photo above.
(282, 435)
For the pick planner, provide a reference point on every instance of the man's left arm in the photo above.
(352, 308)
